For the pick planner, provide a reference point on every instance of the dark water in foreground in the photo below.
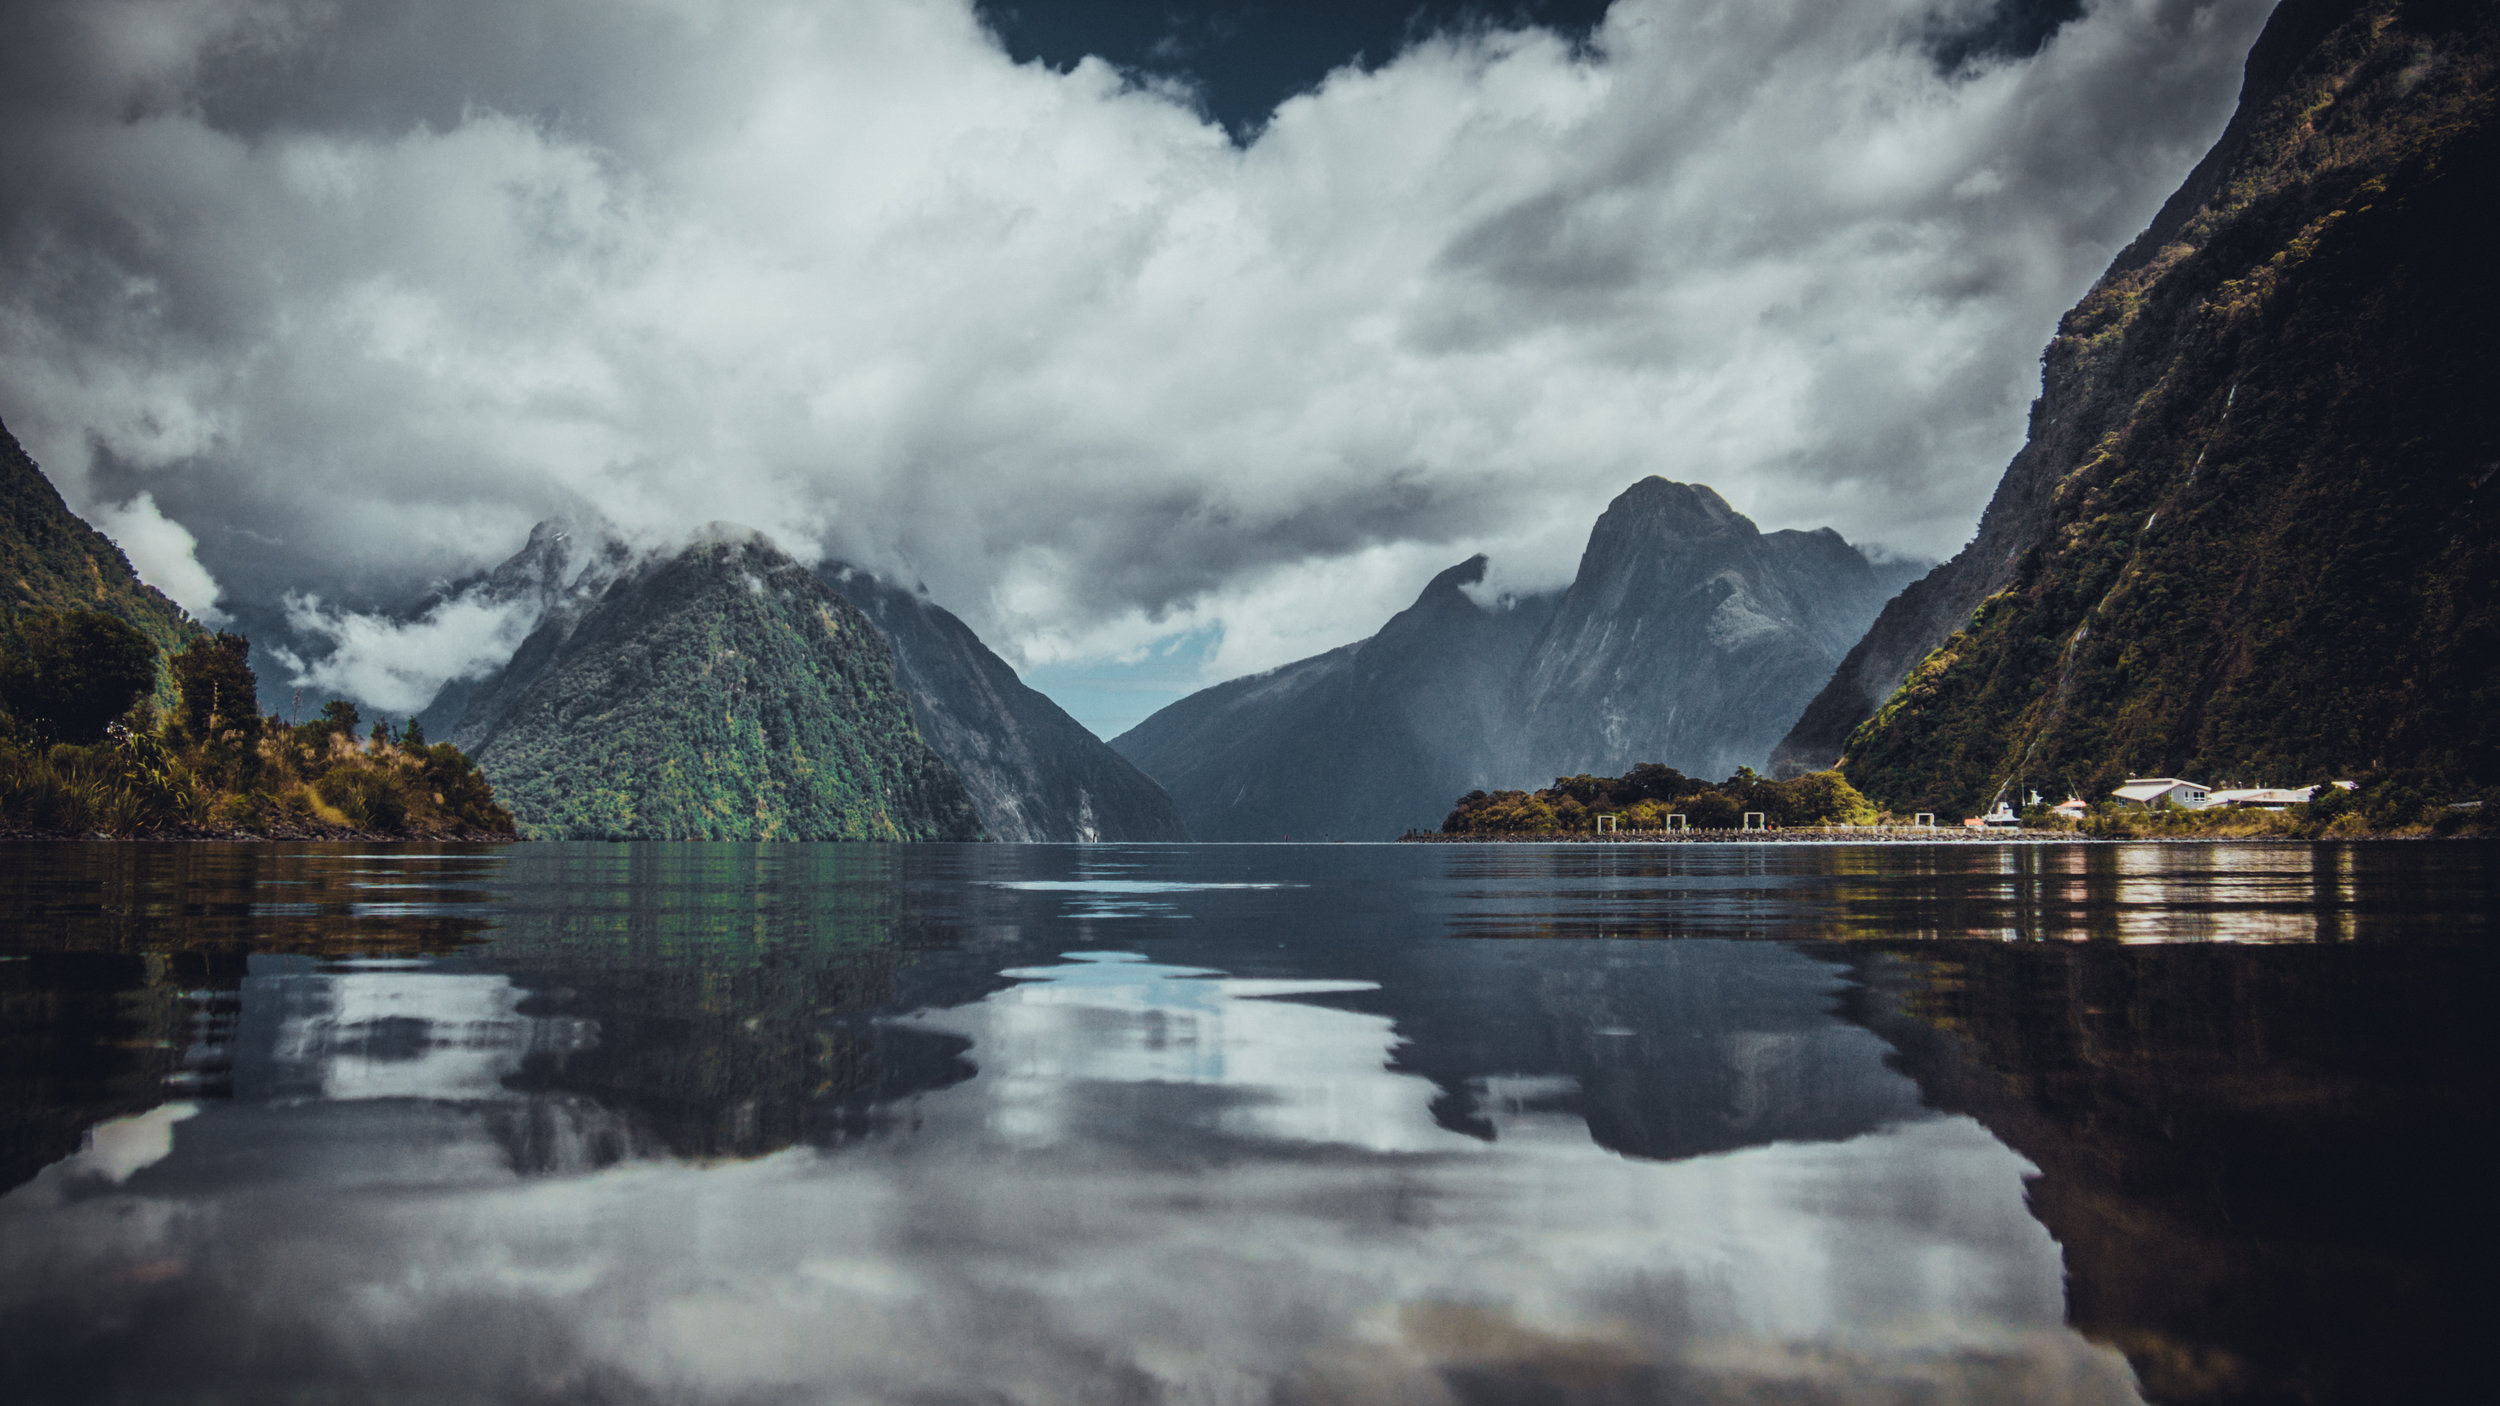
(1296, 1124)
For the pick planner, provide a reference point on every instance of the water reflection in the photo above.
(710, 1122)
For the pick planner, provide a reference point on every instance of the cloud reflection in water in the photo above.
(1165, 1184)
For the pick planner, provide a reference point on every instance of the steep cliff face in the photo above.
(2251, 532)
(1688, 637)
(51, 559)
(724, 693)
(1035, 774)
(2062, 433)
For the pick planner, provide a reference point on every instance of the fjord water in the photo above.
(1351, 1123)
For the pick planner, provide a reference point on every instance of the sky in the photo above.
(1163, 343)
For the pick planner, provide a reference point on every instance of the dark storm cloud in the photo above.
(348, 295)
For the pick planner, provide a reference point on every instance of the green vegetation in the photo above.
(2277, 551)
(726, 694)
(1644, 797)
(71, 673)
(51, 560)
(82, 750)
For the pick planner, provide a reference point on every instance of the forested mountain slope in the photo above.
(51, 559)
(2252, 534)
(1035, 774)
(723, 693)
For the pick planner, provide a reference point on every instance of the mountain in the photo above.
(1355, 744)
(1688, 637)
(1035, 774)
(553, 581)
(2252, 533)
(51, 559)
(723, 693)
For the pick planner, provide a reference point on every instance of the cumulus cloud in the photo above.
(358, 293)
(163, 552)
(399, 665)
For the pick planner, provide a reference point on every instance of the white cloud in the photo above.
(399, 665)
(162, 551)
(387, 293)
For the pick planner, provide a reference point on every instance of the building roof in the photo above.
(2261, 796)
(2149, 788)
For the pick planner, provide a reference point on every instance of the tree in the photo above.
(70, 673)
(213, 675)
(337, 716)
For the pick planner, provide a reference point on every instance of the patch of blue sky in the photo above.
(1110, 696)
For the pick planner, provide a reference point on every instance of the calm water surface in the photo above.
(1261, 1124)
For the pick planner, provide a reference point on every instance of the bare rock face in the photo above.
(1688, 637)
(1035, 774)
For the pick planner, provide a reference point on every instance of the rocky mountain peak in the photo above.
(1660, 508)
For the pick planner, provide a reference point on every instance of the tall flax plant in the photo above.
(128, 784)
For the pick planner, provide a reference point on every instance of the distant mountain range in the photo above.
(1688, 637)
(2255, 532)
(1030, 772)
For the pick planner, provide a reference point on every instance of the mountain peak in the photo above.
(1662, 507)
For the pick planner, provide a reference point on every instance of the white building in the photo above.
(2151, 791)
(2261, 797)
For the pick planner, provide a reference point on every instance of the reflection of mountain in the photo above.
(1168, 1184)
(2259, 1163)
(1665, 1050)
(1386, 1115)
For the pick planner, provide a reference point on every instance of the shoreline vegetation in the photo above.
(86, 753)
(1653, 804)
